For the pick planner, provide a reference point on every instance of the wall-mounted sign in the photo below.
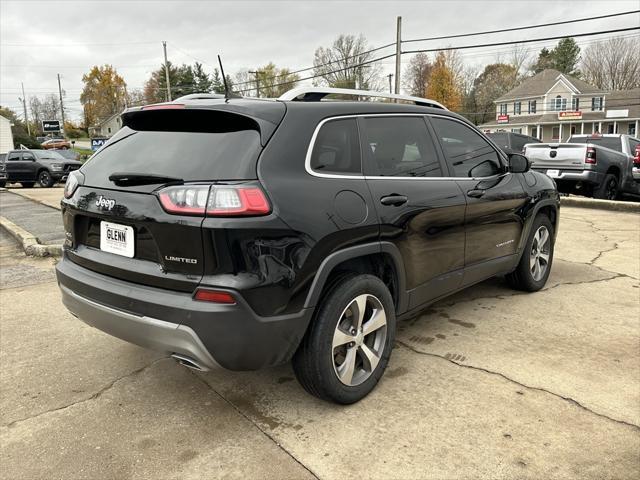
(570, 115)
(617, 113)
(50, 126)
(503, 118)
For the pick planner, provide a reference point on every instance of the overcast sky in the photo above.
(39, 39)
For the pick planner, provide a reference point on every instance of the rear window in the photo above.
(209, 147)
(613, 143)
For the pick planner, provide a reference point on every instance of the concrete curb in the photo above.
(612, 205)
(30, 244)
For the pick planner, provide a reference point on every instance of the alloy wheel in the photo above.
(44, 179)
(359, 339)
(540, 252)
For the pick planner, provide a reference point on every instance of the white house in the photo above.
(6, 136)
(551, 106)
(106, 127)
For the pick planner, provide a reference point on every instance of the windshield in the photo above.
(613, 143)
(48, 155)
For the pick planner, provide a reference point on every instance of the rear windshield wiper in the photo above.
(124, 179)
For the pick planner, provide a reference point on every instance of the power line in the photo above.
(76, 44)
(564, 22)
(494, 44)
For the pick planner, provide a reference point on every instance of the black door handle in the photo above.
(475, 193)
(394, 200)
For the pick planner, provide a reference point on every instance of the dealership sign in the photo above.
(503, 118)
(570, 115)
(49, 126)
(97, 143)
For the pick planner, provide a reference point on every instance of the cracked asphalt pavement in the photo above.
(490, 383)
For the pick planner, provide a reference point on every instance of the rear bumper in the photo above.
(231, 336)
(144, 331)
(587, 176)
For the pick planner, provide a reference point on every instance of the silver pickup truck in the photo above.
(600, 166)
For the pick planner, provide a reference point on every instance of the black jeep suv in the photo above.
(247, 233)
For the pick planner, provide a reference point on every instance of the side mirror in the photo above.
(518, 163)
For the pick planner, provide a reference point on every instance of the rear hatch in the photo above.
(561, 156)
(138, 212)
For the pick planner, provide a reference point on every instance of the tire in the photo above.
(327, 350)
(45, 179)
(27, 184)
(608, 189)
(527, 276)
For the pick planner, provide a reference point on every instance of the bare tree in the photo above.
(613, 64)
(518, 57)
(417, 73)
(341, 64)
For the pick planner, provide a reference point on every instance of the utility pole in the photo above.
(24, 105)
(166, 71)
(61, 105)
(390, 77)
(398, 53)
(256, 73)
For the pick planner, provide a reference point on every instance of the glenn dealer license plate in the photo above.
(115, 238)
(553, 173)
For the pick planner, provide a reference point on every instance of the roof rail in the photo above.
(315, 94)
(199, 96)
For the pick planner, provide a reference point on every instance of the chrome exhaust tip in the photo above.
(188, 362)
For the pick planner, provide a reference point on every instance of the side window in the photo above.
(28, 156)
(466, 152)
(13, 156)
(337, 148)
(399, 147)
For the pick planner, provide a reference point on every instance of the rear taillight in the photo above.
(590, 157)
(214, 296)
(214, 200)
(636, 156)
(74, 180)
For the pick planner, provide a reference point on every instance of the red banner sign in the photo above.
(503, 118)
(570, 115)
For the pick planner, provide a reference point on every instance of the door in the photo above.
(495, 198)
(20, 166)
(419, 210)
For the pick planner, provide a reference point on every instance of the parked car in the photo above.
(511, 142)
(599, 166)
(247, 233)
(30, 166)
(56, 143)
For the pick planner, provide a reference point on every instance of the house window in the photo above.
(632, 128)
(596, 103)
(534, 132)
(559, 104)
(532, 106)
(503, 109)
(610, 128)
(575, 104)
(555, 133)
(516, 130)
(573, 129)
(109, 129)
(517, 108)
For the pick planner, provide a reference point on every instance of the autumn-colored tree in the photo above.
(104, 93)
(443, 85)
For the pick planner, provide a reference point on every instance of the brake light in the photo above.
(590, 157)
(164, 106)
(225, 201)
(214, 296)
(214, 200)
(636, 157)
